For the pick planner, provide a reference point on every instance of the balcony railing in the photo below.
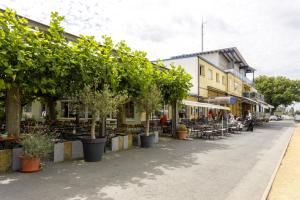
(240, 76)
(253, 95)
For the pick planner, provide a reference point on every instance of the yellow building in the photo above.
(217, 73)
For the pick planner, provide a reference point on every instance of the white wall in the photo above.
(212, 57)
(223, 62)
(190, 65)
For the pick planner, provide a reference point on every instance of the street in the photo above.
(235, 167)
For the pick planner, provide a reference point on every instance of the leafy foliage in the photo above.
(17, 45)
(150, 99)
(101, 103)
(278, 90)
(174, 83)
(135, 71)
(182, 127)
(37, 144)
(45, 64)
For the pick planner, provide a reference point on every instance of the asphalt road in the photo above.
(235, 167)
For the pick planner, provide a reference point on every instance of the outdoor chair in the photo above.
(194, 132)
(217, 132)
(234, 128)
(207, 132)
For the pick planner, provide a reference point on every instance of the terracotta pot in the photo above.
(182, 135)
(29, 164)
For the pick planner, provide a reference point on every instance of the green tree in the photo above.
(55, 59)
(148, 101)
(101, 103)
(135, 72)
(278, 90)
(17, 45)
(175, 84)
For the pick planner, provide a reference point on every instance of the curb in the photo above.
(269, 186)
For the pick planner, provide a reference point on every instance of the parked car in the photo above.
(297, 118)
(274, 118)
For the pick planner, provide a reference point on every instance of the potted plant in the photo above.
(35, 146)
(148, 102)
(100, 103)
(182, 132)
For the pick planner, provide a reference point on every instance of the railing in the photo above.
(253, 95)
(240, 76)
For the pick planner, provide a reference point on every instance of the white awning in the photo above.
(264, 106)
(249, 101)
(204, 105)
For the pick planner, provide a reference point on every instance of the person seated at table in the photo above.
(232, 119)
(163, 120)
(211, 115)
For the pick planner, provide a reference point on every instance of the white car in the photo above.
(273, 118)
(297, 118)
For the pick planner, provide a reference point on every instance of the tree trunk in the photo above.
(121, 116)
(52, 109)
(103, 127)
(13, 111)
(174, 118)
(93, 126)
(147, 124)
(77, 119)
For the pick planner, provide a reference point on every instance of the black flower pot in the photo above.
(147, 141)
(93, 149)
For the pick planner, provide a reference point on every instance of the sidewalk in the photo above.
(287, 181)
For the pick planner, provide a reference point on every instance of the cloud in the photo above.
(266, 32)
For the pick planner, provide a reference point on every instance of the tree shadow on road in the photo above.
(80, 180)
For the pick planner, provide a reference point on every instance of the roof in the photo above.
(44, 27)
(231, 54)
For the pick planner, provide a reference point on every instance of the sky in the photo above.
(266, 32)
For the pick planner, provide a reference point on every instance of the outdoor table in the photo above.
(4, 140)
(8, 139)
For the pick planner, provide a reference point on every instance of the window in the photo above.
(65, 109)
(129, 110)
(217, 77)
(202, 70)
(27, 107)
(231, 84)
(210, 74)
(69, 110)
(223, 80)
(236, 85)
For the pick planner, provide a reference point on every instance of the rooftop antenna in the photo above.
(202, 34)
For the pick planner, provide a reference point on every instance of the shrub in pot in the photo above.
(182, 132)
(149, 101)
(35, 146)
(100, 103)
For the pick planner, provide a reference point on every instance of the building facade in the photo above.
(221, 75)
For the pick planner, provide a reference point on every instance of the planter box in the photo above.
(16, 161)
(125, 142)
(68, 150)
(121, 143)
(115, 143)
(137, 139)
(77, 150)
(58, 152)
(156, 133)
(5, 160)
(130, 140)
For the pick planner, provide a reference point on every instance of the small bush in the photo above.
(37, 145)
(182, 127)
